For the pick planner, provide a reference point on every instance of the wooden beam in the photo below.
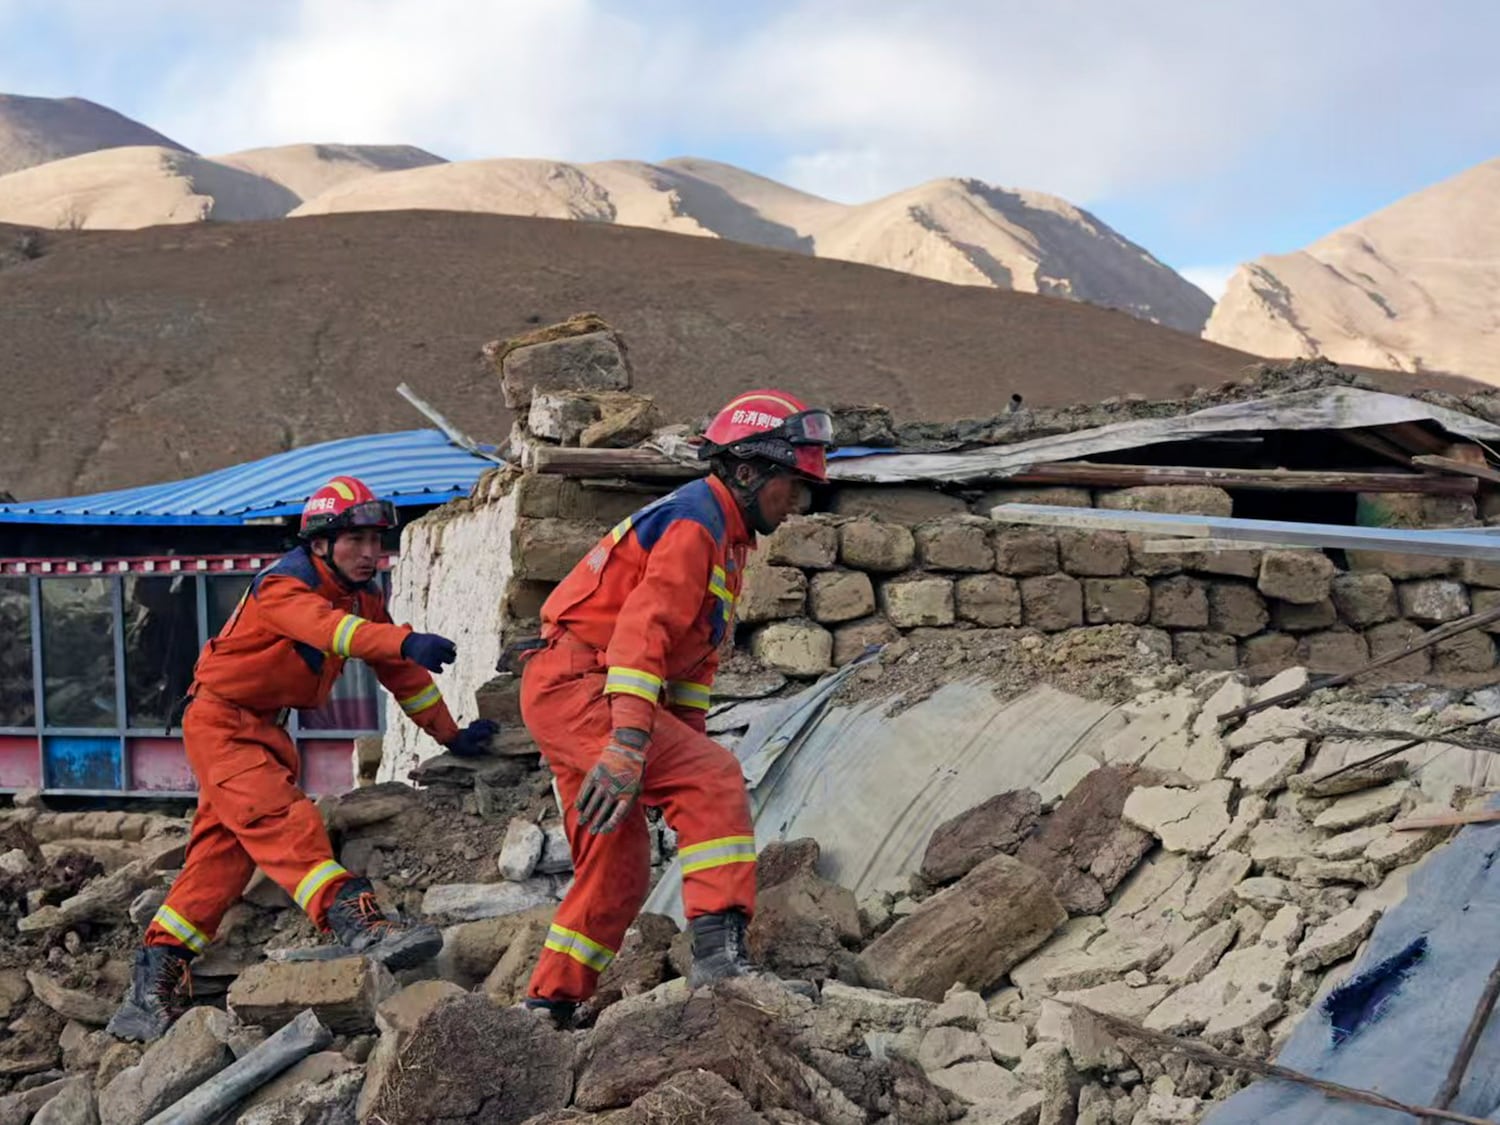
(1414, 437)
(1270, 480)
(1447, 820)
(1478, 470)
(569, 462)
(1376, 444)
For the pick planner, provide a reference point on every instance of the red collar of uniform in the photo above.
(734, 519)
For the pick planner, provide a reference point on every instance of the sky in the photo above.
(1209, 132)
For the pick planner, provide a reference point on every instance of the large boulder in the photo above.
(193, 1050)
(802, 925)
(974, 931)
(1084, 846)
(996, 827)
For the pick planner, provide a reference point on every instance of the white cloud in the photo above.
(1211, 279)
(560, 78)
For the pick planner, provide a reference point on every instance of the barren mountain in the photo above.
(1412, 287)
(307, 170)
(138, 356)
(135, 187)
(36, 130)
(960, 231)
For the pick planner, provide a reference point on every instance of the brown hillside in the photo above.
(141, 356)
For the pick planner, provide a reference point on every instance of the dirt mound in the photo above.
(136, 357)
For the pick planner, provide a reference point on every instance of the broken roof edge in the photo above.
(1319, 408)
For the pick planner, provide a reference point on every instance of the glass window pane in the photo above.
(17, 697)
(161, 644)
(224, 593)
(78, 652)
(353, 706)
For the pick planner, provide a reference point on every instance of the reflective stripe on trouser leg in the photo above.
(180, 928)
(717, 853)
(583, 949)
(315, 880)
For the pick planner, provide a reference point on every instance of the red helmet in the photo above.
(776, 426)
(343, 504)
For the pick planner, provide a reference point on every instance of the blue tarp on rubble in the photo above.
(1395, 1026)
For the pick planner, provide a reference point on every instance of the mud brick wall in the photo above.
(886, 560)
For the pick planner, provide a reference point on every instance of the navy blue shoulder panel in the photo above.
(296, 563)
(695, 501)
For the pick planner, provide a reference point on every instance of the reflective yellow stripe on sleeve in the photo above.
(718, 586)
(632, 681)
(585, 950)
(429, 696)
(717, 853)
(685, 693)
(181, 929)
(343, 634)
(620, 530)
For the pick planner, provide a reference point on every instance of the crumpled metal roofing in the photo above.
(408, 467)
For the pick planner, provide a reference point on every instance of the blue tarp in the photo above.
(409, 467)
(1395, 1026)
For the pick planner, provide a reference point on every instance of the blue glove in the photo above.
(474, 739)
(429, 650)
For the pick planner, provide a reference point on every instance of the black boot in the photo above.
(362, 927)
(161, 989)
(561, 1012)
(719, 947)
(720, 952)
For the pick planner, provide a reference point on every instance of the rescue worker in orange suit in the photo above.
(284, 647)
(618, 694)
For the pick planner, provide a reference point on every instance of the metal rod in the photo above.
(453, 433)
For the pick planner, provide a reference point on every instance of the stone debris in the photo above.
(1194, 880)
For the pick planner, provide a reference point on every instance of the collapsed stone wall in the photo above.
(889, 559)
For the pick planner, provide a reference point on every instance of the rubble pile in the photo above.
(1192, 879)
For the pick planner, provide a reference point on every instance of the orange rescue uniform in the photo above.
(633, 638)
(283, 647)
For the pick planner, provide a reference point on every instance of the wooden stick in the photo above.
(1447, 820)
(1410, 744)
(1454, 465)
(1426, 640)
(1449, 1089)
(1204, 1054)
(1268, 480)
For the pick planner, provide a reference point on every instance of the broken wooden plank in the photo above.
(1100, 475)
(1447, 820)
(1477, 1022)
(1454, 465)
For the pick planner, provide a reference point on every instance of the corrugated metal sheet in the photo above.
(410, 467)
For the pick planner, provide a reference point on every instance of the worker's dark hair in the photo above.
(726, 465)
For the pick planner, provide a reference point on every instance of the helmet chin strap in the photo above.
(747, 495)
(344, 580)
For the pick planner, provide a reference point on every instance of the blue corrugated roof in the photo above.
(411, 467)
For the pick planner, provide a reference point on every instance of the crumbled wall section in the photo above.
(455, 570)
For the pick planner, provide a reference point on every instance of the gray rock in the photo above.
(194, 1049)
